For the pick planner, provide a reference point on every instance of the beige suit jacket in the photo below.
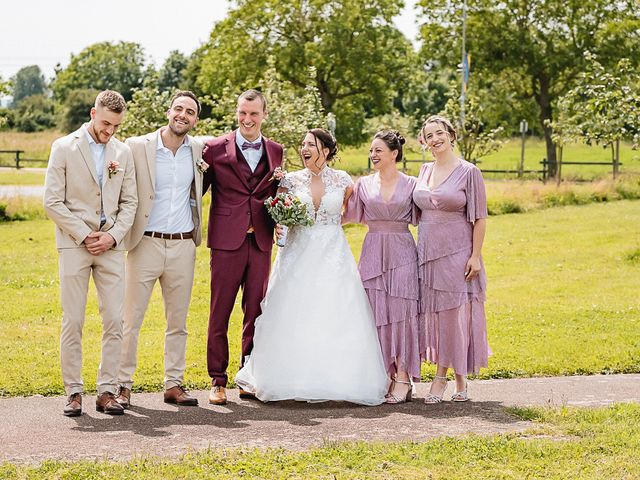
(73, 198)
(144, 149)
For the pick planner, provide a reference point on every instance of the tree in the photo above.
(475, 139)
(4, 89)
(146, 112)
(358, 54)
(75, 109)
(537, 44)
(34, 114)
(116, 66)
(603, 108)
(170, 75)
(28, 81)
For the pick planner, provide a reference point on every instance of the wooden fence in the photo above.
(16, 160)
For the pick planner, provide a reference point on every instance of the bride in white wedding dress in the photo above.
(316, 339)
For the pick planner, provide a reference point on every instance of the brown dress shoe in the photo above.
(106, 403)
(73, 408)
(218, 395)
(179, 396)
(246, 394)
(124, 397)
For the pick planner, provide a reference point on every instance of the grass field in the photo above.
(354, 160)
(565, 444)
(562, 300)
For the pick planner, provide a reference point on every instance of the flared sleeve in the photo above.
(354, 213)
(476, 195)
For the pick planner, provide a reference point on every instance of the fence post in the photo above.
(17, 159)
(369, 163)
(616, 160)
(544, 170)
(404, 164)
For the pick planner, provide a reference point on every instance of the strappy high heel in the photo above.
(461, 396)
(392, 399)
(432, 398)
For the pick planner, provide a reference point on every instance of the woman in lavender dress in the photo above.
(451, 195)
(389, 261)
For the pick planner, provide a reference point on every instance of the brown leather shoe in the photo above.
(179, 396)
(218, 395)
(124, 397)
(73, 408)
(106, 403)
(246, 394)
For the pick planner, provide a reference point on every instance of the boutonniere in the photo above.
(114, 168)
(202, 165)
(278, 174)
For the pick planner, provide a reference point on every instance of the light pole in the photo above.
(464, 66)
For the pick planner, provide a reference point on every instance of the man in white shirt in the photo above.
(162, 242)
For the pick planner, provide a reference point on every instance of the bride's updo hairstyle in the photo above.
(445, 123)
(327, 141)
(393, 140)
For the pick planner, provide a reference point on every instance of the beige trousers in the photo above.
(172, 262)
(76, 265)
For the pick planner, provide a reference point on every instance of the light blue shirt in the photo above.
(97, 153)
(251, 156)
(171, 211)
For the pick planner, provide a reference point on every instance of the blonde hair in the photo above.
(444, 123)
(111, 100)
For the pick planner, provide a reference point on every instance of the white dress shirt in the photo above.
(251, 156)
(171, 211)
(97, 153)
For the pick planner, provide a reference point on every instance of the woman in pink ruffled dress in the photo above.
(451, 196)
(389, 261)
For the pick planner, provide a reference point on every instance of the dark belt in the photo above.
(170, 236)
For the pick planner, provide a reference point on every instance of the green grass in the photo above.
(564, 444)
(21, 177)
(562, 300)
(354, 160)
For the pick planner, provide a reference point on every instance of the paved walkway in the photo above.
(34, 428)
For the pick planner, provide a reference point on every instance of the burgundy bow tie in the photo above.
(249, 145)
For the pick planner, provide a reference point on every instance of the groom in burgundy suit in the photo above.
(240, 234)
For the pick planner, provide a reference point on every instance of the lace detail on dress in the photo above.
(335, 183)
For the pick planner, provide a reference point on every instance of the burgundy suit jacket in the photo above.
(234, 205)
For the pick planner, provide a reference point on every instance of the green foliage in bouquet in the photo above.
(288, 210)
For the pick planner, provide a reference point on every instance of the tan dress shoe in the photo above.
(124, 397)
(246, 394)
(218, 395)
(179, 396)
(73, 408)
(106, 403)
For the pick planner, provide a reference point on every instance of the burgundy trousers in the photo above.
(246, 268)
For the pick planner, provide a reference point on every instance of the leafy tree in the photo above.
(603, 108)
(170, 74)
(34, 114)
(358, 54)
(28, 81)
(4, 89)
(475, 140)
(75, 109)
(146, 112)
(117, 66)
(536, 45)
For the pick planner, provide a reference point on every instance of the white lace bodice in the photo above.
(335, 183)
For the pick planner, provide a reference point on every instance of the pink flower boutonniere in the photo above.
(278, 174)
(114, 168)
(202, 165)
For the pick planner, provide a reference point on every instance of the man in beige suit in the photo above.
(90, 194)
(162, 242)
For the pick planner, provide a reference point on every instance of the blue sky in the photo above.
(44, 33)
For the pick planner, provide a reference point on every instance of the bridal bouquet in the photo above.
(287, 210)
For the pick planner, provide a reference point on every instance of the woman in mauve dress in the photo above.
(451, 196)
(389, 261)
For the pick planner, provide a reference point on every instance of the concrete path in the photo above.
(34, 428)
